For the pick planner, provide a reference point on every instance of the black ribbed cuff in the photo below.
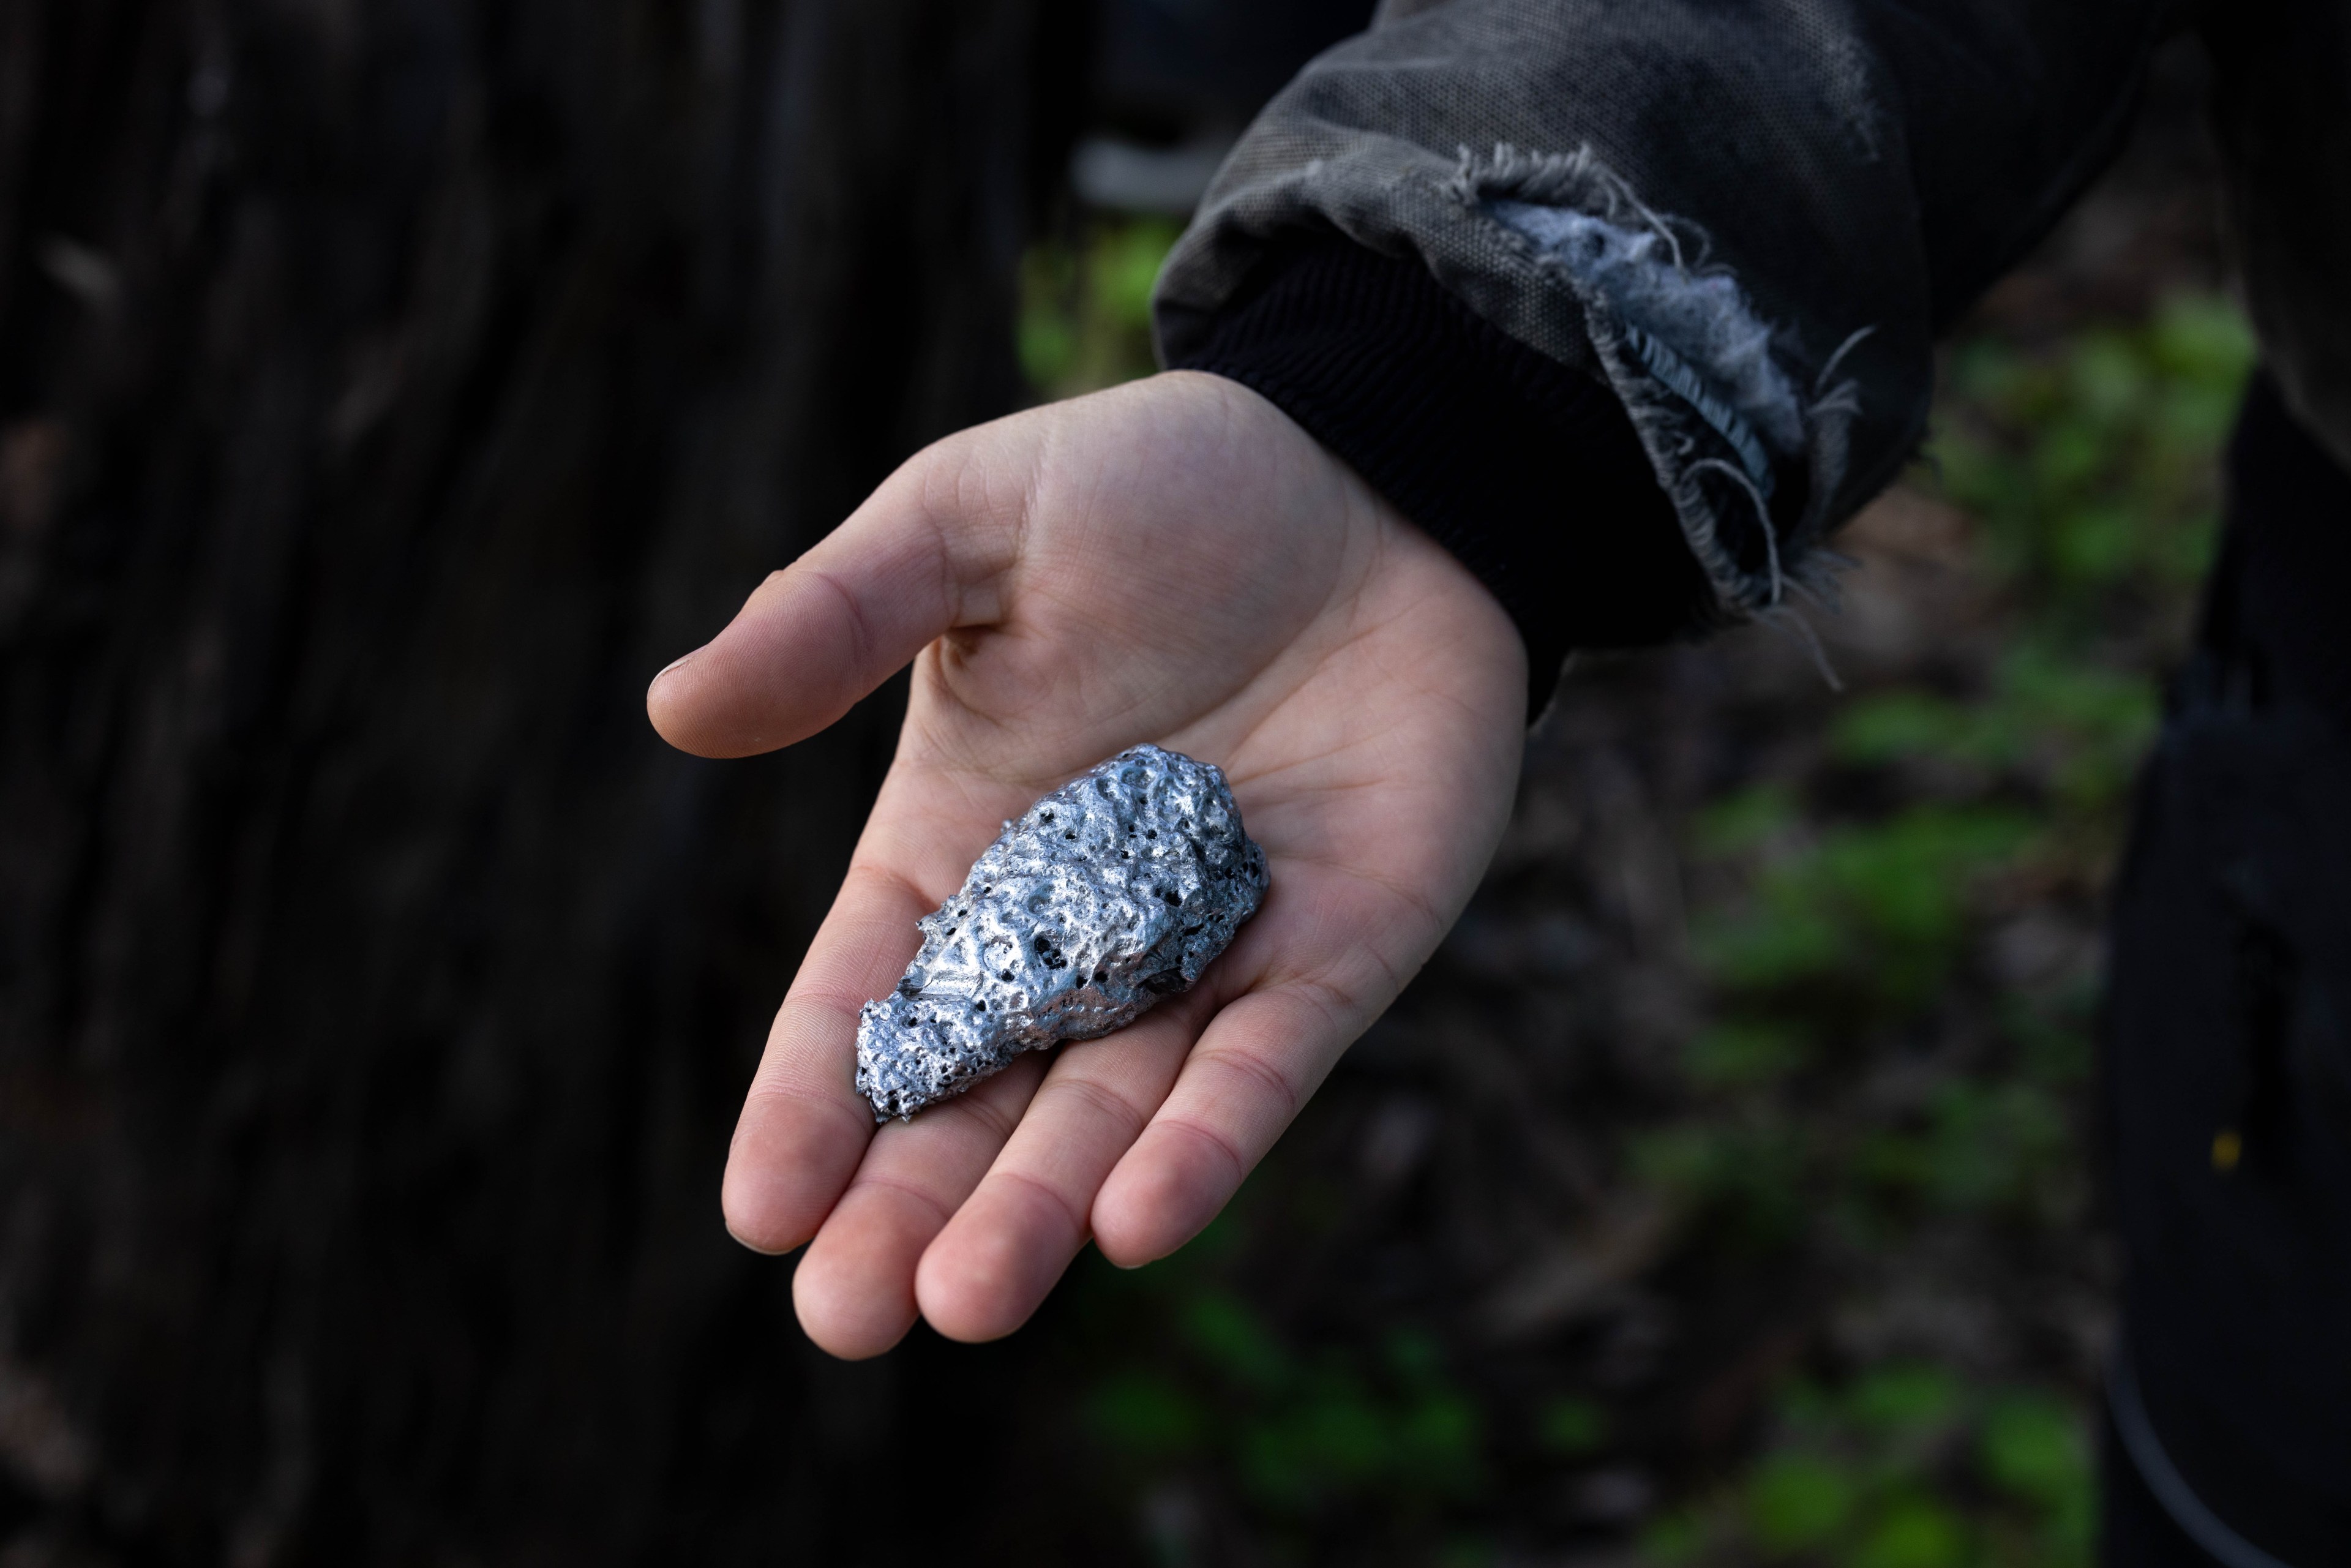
(1527, 472)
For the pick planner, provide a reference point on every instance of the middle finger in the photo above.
(994, 1260)
(854, 1291)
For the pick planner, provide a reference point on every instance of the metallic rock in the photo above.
(1114, 890)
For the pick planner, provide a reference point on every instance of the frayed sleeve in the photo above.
(1745, 222)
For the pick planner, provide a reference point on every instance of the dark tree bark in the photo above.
(386, 391)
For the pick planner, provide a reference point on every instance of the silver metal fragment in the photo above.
(1114, 890)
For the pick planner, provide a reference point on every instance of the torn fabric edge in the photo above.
(1686, 351)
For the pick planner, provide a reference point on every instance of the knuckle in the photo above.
(1043, 1193)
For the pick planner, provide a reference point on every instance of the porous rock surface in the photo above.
(1114, 890)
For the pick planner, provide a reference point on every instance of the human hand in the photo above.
(1174, 561)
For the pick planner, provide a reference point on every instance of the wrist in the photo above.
(1529, 473)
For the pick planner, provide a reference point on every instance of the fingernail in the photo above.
(674, 663)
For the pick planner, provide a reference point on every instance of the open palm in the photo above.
(1171, 562)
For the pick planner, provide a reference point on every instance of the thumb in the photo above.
(922, 555)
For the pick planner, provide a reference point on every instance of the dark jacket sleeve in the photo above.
(1745, 222)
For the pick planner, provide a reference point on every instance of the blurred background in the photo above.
(389, 387)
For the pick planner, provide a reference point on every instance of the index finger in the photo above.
(917, 559)
(804, 1126)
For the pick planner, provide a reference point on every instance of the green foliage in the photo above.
(2092, 469)
(1297, 1434)
(1912, 1532)
(2074, 729)
(1907, 1406)
(1677, 1538)
(1906, 1467)
(2033, 1451)
(1226, 1335)
(1573, 1427)
(1877, 909)
(1149, 1414)
(1797, 1502)
(1985, 1146)
(2051, 1035)
(1746, 820)
(1738, 1055)
(1085, 304)
(1751, 1175)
